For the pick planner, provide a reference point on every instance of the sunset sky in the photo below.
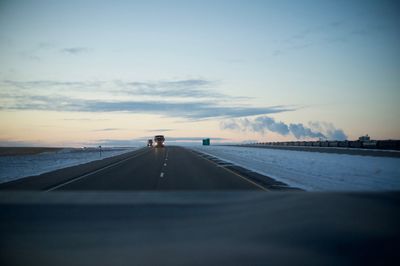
(79, 73)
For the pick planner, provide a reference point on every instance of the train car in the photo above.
(324, 143)
(371, 144)
(316, 144)
(355, 144)
(309, 143)
(388, 144)
(343, 144)
(332, 143)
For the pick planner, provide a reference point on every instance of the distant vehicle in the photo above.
(159, 141)
(150, 143)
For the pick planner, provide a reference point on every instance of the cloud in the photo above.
(186, 88)
(85, 119)
(231, 124)
(196, 110)
(159, 130)
(118, 142)
(189, 110)
(52, 84)
(263, 124)
(36, 52)
(107, 129)
(329, 33)
(186, 83)
(189, 99)
(18, 143)
(75, 50)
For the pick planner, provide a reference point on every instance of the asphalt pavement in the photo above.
(167, 168)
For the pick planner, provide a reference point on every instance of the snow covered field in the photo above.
(315, 171)
(14, 167)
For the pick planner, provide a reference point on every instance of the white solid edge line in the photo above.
(244, 178)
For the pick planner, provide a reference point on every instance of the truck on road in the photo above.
(150, 143)
(159, 141)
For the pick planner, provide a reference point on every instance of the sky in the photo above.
(81, 73)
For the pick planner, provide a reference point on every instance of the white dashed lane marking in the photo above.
(165, 164)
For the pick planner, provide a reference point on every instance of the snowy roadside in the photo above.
(314, 171)
(15, 167)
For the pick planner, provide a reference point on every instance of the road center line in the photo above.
(162, 175)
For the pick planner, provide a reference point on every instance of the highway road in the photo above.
(173, 206)
(168, 168)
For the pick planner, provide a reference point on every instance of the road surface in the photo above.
(168, 168)
(239, 227)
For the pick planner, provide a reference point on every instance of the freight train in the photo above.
(362, 144)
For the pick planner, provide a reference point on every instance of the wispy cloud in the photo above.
(85, 119)
(118, 142)
(18, 143)
(186, 88)
(41, 50)
(192, 110)
(159, 130)
(339, 31)
(263, 124)
(75, 50)
(195, 104)
(36, 52)
(52, 84)
(107, 129)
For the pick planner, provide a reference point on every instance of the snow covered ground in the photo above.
(315, 171)
(14, 167)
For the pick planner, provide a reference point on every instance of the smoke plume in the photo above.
(263, 124)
